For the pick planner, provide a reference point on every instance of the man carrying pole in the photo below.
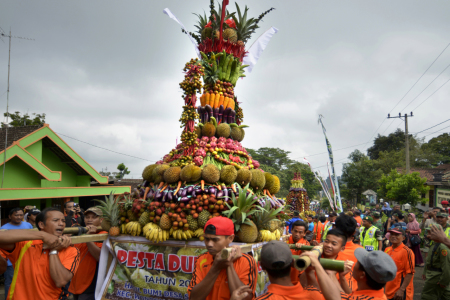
(44, 260)
(214, 277)
(298, 238)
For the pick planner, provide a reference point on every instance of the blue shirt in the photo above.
(23, 225)
(400, 224)
(311, 226)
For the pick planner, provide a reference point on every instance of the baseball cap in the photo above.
(219, 226)
(34, 211)
(95, 210)
(377, 264)
(367, 218)
(276, 255)
(398, 214)
(444, 202)
(397, 230)
(442, 214)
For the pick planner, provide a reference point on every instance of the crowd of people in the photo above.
(43, 263)
(379, 258)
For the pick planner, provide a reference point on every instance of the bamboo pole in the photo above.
(328, 264)
(304, 262)
(303, 248)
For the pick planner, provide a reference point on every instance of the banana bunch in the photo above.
(123, 228)
(154, 233)
(267, 236)
(277, 234)
(181, 234)
(198, 233)
(133, 228)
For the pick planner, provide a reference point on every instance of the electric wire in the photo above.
(104, 148)
(431, 95)
(433, 126)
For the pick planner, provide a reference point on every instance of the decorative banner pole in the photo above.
(330, 155)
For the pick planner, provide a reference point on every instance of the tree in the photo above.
(402, 188)
(441, 146)
(394, 141)
(388, 160)
(359, 175)
(25, 120)
(272, 157)
(123, 171)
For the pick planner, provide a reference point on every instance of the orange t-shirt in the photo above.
(404, 260)
(244, 266)
(296, 292)
(358, 220)
(318, 230)
(318, 294)
(86, 271)
(32, 264)
(366, 295)
(294, 272)
(349, 254)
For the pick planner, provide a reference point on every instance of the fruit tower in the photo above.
(297, 198)
(209, 173)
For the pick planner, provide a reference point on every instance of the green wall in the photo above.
(36, 150)
(68, 178)
(19, 175)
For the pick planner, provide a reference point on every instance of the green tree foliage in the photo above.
(393, 142)
(18, 120)
(123, 171)
(359, 175)
(277, 162)
(441, 146)
(403, 188)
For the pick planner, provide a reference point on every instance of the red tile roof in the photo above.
(15, 133)
(428, 173)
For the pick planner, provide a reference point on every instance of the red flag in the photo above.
(224, 5)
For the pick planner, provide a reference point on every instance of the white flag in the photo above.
(257, 48)
(172, 16)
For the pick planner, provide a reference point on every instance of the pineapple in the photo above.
(193, 224)
(247, 231)
(110, 210)
(144, 218)
(165, 222)
(245, 28)
(266, 218)
(203, 217)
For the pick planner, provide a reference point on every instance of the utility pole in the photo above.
(406, 136)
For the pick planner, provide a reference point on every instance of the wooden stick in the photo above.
(246, 248)
(89, 238)
(68, 230)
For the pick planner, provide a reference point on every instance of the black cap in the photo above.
(34, 211)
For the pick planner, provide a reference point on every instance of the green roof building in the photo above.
(42, 170)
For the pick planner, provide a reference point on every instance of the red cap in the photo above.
(219, 226)
(444, 202)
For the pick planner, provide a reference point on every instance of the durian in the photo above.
(244, 176)
(198, 131)
(275, 187)
(237, 134)
(172, 175)
(147, 173)
(258, 180)
(191, 173)
(158, 172)
(248, 233)
(228, 174)
(210, 173)
(208, 129)
(269, 180)
(230, 35)
(223, 130)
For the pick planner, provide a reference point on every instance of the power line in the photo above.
(433, 126)
(436, 131)
(327, 151)
(104, 148)
(431, 95)
(426, 87)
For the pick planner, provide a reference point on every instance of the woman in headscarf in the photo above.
(386, 209)
(413, 229)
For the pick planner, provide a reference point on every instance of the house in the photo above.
(371, 196)
(438, 181)
(42, 170)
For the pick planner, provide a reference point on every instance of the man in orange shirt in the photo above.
(318, 228)
(44, 260)
(402, 286)
(357, 216)
(297, 237)
(347, 225)
(215, 278)
(372, 271)
(276, 260)
(84, 281)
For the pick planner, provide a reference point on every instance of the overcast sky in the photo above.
(107, 73)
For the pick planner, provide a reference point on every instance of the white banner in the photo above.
(173, 17)
(257, 48)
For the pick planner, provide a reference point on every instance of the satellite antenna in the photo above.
(3, 34)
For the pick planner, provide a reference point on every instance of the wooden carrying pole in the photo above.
(303, 248)
(303, 262)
